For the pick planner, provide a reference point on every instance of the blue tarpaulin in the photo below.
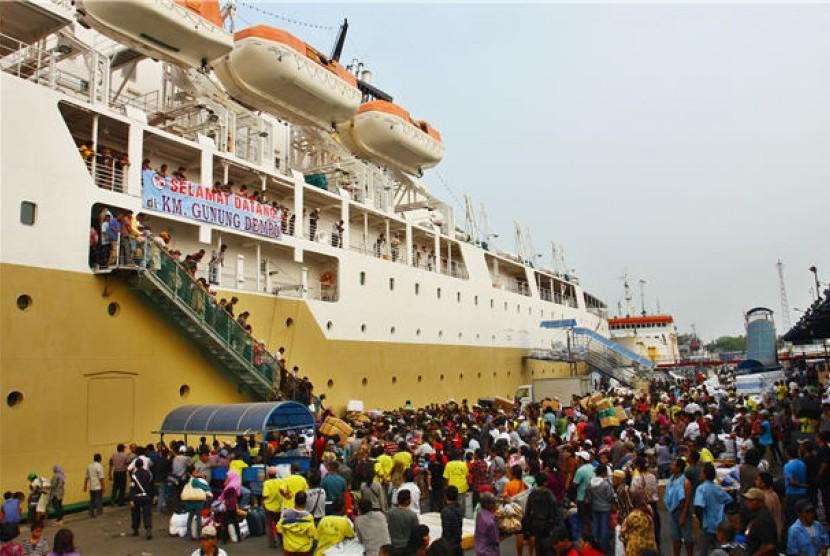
(237, 419)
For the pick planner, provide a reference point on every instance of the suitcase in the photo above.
(256, 522)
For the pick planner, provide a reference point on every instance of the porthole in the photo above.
(458, 297)
(329, 325)
(417, 288)
(391, 284)
(28, 213)
(529, 309)
(289, 322)
(492, 304)
(440, 333)
(479, 374)
(184, 391)
(505, 305)
(362, 278)
(330, 383)
(460, 335)
(363, 327)
(392, 330)
(475, 301)
(365, 381)
(494, 374)
(113, 309)
(508, 373)
(394, 380)
(518, 308)
(24, 301)
(441, 377)
(418, 332)
(493, 337)
(438, 293)
(460, 376)
(14, 398)
(420, 378)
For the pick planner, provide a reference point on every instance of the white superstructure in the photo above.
(393, 271)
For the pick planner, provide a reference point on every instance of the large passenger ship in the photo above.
(297, 178)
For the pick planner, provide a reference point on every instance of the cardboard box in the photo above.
(334, 426)
(503, 403)
(621, 414)
(604, 403)
(609, 422)
(553, 404)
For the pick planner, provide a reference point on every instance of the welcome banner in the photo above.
(184, 198)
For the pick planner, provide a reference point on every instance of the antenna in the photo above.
(658, 306)
(521, 249)
(643, 297)
(782, 292)
(627, 290)
(340, 41)
(470, 224)
(619, 308)
(531, 253)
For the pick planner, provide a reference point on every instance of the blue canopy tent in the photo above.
(241, 419)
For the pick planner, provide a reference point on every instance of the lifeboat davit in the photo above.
(185, 32)
(386, 133)
(272, 70)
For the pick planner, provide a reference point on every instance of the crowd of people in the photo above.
(687, 466)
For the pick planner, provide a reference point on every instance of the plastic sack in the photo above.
(350, 547)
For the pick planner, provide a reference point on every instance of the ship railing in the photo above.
(546, 295)
(521, 289)
(314, 232)
(457, 270)
(146, 255)
(40, 65)
(106, 174)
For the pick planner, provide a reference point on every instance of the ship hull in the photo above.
(90, 380)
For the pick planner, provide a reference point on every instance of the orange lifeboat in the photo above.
(384, 132)
(272, 70)
(185, 32)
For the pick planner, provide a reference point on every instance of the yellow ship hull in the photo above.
(89, 379)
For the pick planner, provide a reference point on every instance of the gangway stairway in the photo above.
(165, 283)
(601, 354)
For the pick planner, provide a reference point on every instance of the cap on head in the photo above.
(804, 506)
(208, 531)
(31, 476)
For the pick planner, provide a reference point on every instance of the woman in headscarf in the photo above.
(638, 528)
(230, 497)
(56, 494)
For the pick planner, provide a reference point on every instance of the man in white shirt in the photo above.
(94, 483)
(692, 431)
(409, 484)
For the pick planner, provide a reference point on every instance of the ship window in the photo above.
(329, 325)
(460, 335)
(440, 333)
(394, 380)
(460, 376)
(418, 332)
(417, 288)
(24, 302)
(14, 398)
(420, 378)
(289, 322)
(28, 213)
(475, 301)
(438, 293)
(505, 305)
(492, 303)
(391, 283)
(392, 330)
(363, 327)
(479, 374)
(362, 278)
(184, 391)
(478, 336)
(518, 308)
(330, 384)
(458, 297)
(113, 309)
(441, 377)
(365, 381)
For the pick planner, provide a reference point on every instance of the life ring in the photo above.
(327, 279)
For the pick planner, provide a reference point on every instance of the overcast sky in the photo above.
(689, 145)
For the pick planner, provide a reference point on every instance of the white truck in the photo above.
(562, 389)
